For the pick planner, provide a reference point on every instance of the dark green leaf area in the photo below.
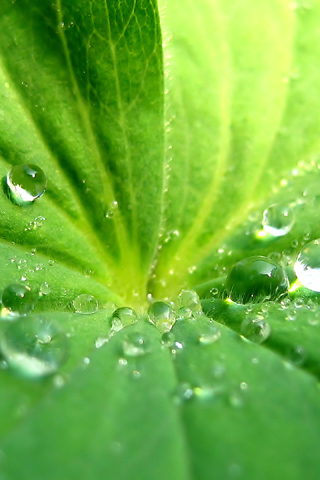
(294, 323)
(117, 413)
(240, 404)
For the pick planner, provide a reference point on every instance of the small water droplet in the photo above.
(256, 329)
(17, 300)
(25, 184)
(278, 220)
(168, 339)
(256, 279)
(85, 304)
(184, 392)
(100, 342)
(296, 354)
(162, 316)
(34, 346)
(214, 291)
(135, 345)
(45, 289)
(209, 334)
(121, 318)
(190, 299)
(307, 266)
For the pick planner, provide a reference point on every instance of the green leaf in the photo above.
(164, 131)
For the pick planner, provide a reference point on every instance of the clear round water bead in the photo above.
(307, 266)
(256, 279)
(278, 220)
(26, 183)
(34, 346)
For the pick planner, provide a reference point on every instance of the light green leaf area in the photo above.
(165, 131)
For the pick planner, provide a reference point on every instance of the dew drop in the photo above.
(17, 300)
(25, 183)
(256, 329)
(135, 345)
(100, 342)
(123, 317)
(296, 355)
(168, 339)
(256, 279)
(278, 220)
(209, 334)
(34, 347)
(162, 316)
(85, 304)
(184, 392)
(190, 300)
(45, 289)
(307, 266)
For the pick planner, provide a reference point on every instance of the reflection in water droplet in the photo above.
(190, 300)
(122, 317)
(209, 334)
(162, 316)
(184, 312)
(34, 346)
(278, 220)
(256, 329)
(256, 279)
(85, 304)
(135, 345)
(25, 184)
(17, 300)
(307, 266)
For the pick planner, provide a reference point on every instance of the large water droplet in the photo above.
(256, 329)
(85, 304)
(26, 183)
(33, 346)
(307, 266)
(256, 279)
(162, 316)
(17, 300)
(188, 299)
(123, 317)
(278, 220)
(135, 345)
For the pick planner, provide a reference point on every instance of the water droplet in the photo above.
(256, 279)
(209, 334)
(111, 209)
(25, 183)
(183, 393)
(307, 266)
(100, 342)
(278, 220)
(256, 329)
(162, 316)
(214, 291)
(184, 312)
(168, 339)
(45, 289)
(190, 299)
(85, 304)
(17, 300)
(135, 345)
(123, 317)
(296, 355)
(34, 347)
